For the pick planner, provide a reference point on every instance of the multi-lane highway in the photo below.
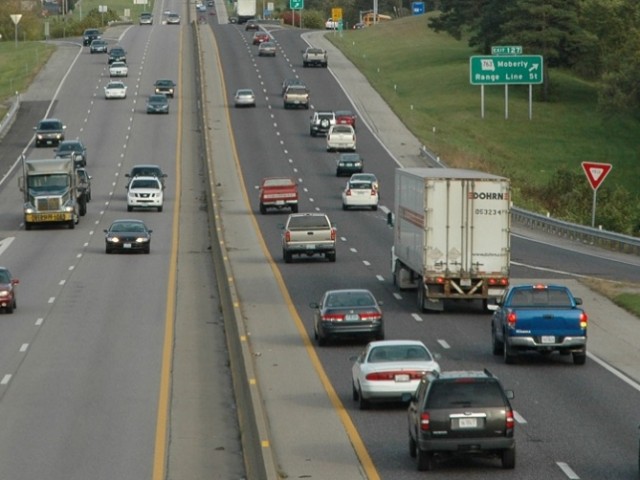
(85, 359)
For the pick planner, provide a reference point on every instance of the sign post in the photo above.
(296, 5)
(15, 18)
(596, 173)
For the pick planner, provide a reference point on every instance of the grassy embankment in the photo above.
(424, 76)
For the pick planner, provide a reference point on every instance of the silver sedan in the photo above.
(245, 97)
(388, 369)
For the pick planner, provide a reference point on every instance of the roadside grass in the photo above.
(626, 296)
(18, 68)
(424, 76)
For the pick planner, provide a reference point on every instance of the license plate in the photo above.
(50, 217)
(402, 378)
(279, 202)
(311, 246)
(468, 422)
(352, 317)
(548, 339)
(126, 245)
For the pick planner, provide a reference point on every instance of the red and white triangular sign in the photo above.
(596, 172)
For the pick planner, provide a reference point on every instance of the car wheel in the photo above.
(331, 256)
(9, 308)
(374, 208)
(27, 225)
(107, 250)
(425, 460)
(413, 447)
(287, 256)
(344, 206)
(312, 133)
(363, 403)
(147, 250)
(160, 208)
(496, 344)
(263, 209)
(579, 358)
(82, 202)
(294, 208)
(129, 208)
(509, 458)
(509, 357)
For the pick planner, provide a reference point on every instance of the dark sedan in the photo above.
(7, 290)
(165, 86)
(128, 236)
(49, 132)
(73, 149)
(348, 164)
(347, 313)
(157, 103)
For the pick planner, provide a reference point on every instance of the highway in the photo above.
(84, 360)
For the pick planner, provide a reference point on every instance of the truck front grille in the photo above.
(44, 204)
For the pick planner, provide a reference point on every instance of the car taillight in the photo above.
(370, 316)
(509, 420)
(413, 375)
(348, 193)
(501, 281)
(584, 320)
(373, 192)
(333, 317)
(511, 319)
(287, 236)
(333, 234)
(424, 422)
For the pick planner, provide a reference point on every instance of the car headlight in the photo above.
(113, 239)
(68, 208)
(4, 293)
(142, 240)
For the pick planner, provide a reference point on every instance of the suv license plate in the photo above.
(468, 422)
(311, 246)
(352, 317)
(548, 339)
(402, 378)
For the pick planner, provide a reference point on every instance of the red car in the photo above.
(7, 290)
(346, 117)
(260, 37)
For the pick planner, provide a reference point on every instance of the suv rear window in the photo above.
(301, 223)
(465, 394)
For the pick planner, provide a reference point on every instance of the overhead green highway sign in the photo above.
(296, 4)
(505, 70)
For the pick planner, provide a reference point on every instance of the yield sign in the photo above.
(596, 172)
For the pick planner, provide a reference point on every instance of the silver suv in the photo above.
(461, 413)
(321, 122)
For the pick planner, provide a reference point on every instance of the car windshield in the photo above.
(359, 185)
(310, 221)
(341, 129)
(465, 393)
(69, 147)
(127, 227)
(50, 126)
(350, 299)
(4, 276)
(278, 182)
(399, 353)
(157, 99)
(146, 171)
(145, 184)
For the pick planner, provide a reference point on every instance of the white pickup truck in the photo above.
(309, 234)
(314, 57)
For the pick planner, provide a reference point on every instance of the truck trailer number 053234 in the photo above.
(490, 211)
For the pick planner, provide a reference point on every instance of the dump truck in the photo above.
(451, 235)
(51, 192)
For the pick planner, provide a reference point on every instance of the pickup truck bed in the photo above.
(542, 318)
(314, 57)
(309, 234)
(278, 193)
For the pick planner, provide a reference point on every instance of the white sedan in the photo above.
(244, 97)
(118, 69)
(388, 370)
(341, 137)
(115, 90)
(360, 193)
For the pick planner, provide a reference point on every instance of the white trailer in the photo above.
(451, 235)
(245, 10)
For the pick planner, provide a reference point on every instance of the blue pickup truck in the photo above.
(542, 318)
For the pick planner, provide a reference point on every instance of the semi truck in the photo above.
(52, 194)
(451, 236)
(245, 10)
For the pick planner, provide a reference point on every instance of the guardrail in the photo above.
(566, 230)
(10, 117)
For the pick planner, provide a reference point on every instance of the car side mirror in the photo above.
(578, 300)
(509, 393)
(314, 305)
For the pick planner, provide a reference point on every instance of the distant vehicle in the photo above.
(84, 182)
(296, 96)
(308, 234)
(267, 49)
(252, 25)
(260, 37)
(233, 20)
(358, 26)
(128, 235)
(145, 193)
(245, 10)
(321, 121)
(359, 193)
(244, 97)
(146, 18)
(146, 170)
(72, 149)
(346, 117)
(49, 132)
(99, 46)
(369, 19)
(347, 313)
(370, 177)
(461, 413)
(8, 290)
(165, 86)
(157, 103)
(539, 318)
(387, 370)
(332, 24)
(117, 54)
(278, 193)
(315, 57)
(173, 19)
(348, 164)
(115, 89)
(341, 137)
(89, 35)
(118, 69)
